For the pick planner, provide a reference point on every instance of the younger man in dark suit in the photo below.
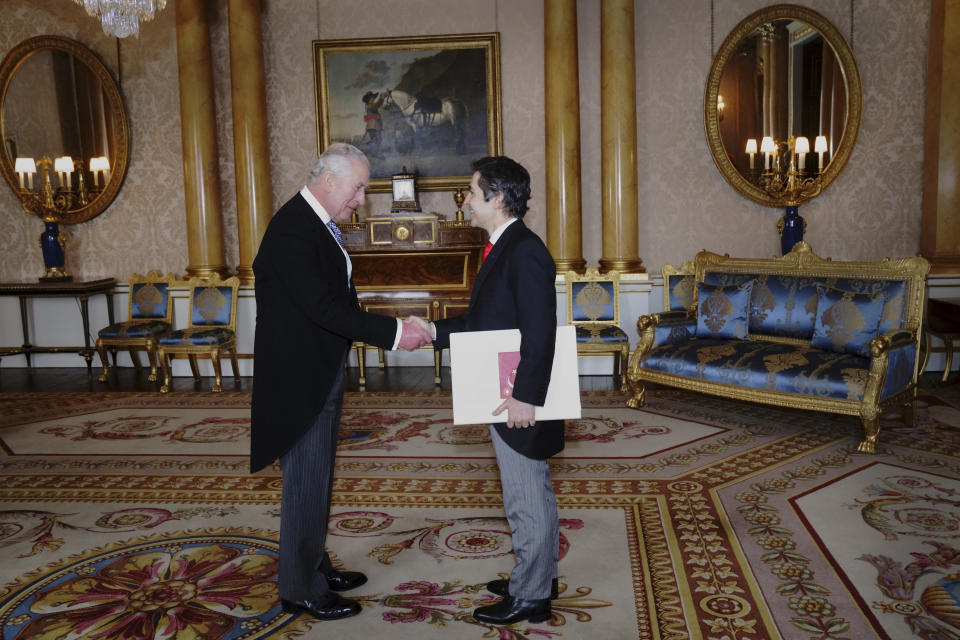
(515, 290)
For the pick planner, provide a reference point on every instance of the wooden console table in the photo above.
(422, 267)
(79, 290)
(430, 283)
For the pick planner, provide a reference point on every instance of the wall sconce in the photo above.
(720, 107)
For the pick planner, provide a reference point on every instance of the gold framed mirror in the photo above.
(784, 73)
(58, 100)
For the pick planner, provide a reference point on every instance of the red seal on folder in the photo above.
(508, 361)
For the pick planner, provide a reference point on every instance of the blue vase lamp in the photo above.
(52, 244)
(791, 228)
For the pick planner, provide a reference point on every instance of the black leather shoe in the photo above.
(510, 610)
(344, 580)
(331, 607)
(501, 587)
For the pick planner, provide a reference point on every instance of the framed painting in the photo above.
(427, 105)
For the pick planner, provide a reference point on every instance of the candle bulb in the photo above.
(25, 168)
(802, 147)
(99, 165)
(767, 147)
(751, 149)
(820, 145)
(64, 167)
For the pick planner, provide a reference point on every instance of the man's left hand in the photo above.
(520, 415)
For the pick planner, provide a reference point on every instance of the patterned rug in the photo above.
(132, 515)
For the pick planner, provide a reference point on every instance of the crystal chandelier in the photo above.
(121, 18)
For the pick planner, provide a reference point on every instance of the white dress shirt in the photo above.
(499, 230)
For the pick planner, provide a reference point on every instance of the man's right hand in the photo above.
(415, 334)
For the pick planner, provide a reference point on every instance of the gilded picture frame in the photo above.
(427, 103)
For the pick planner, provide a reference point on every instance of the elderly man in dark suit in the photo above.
(515, 290)
(307, 316)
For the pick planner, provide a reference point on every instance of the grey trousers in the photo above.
(305, 503)
(531, 508)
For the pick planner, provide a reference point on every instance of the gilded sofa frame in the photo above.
(801, 261)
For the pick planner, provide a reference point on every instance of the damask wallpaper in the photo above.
(871, 211)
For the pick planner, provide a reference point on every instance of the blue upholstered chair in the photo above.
(593, 307)
(150, 316)
(212, 330)
(679, 287)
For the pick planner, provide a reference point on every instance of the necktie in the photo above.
(486, 250)
(335, 230)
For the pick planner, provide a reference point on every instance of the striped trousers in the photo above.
(305, 503)
(531, 508)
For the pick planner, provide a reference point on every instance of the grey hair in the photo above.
(337, 159)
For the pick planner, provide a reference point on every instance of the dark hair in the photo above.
(501, 175)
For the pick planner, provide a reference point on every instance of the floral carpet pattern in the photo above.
(132, 515)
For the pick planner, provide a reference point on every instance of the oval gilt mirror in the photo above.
(787, 78)
(57, 99)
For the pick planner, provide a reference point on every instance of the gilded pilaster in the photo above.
(198, 133)
(618, 132)
(250, 147)
(940, 226)
(562, 121)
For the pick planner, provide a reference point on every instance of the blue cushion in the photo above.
(149, 300)
(139, 329)
(893, 310)
(762, 364)
(211, 305)
(680, 290)
(723, 312)
(668, 332)
(197, 336)
(601, 334)
(847, 322)
(780, 305)
(592, 301)
(786, 306)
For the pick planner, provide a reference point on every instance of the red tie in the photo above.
(486, 250)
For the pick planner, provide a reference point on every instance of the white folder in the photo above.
(475, 372)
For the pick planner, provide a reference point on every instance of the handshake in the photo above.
(416, 333)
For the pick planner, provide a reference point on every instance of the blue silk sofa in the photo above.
(798, 331)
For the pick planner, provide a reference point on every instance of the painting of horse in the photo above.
(426, 113)
(429, 103)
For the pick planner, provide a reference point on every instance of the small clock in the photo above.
(404, 192)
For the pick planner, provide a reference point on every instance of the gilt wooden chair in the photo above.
(212, 331)
(593, 308)
(149, 316)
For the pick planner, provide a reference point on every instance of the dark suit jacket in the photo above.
(515, 290)
(307, 317)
